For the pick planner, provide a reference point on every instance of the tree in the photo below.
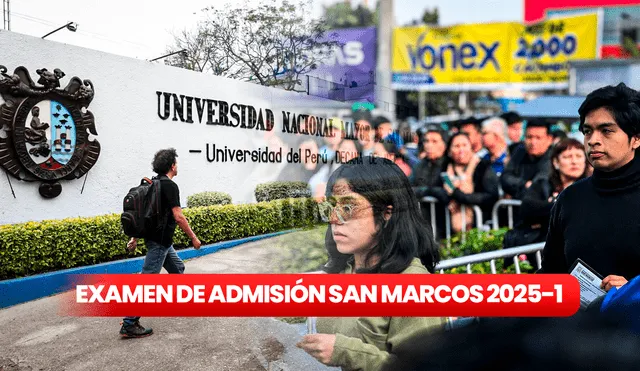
(342, 15)
(201, 55)
(630, 47)
(431, 17)
(269, 44)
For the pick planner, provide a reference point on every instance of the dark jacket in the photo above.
(522, 168)
(426, 180)
(533, 217)
(536, 207)
(596, 219)
(513, 146)
(623, 305)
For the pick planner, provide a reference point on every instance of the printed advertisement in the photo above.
(451, 56)
(541, 52)
(350, 69)
(492, 56)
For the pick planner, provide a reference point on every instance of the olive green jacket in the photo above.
(367, 343)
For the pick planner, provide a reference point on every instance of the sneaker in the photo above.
(134, 331)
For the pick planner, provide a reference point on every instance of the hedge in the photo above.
(280, 190)
(208, 199)
(476, 242)
(39, 247)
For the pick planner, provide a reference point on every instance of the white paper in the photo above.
(589, 284)
(311, 325)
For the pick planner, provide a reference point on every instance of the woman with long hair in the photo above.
(472, 182)
(375, 219)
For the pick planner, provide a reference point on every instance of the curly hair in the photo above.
(163, 160)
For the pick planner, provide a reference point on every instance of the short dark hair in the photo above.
(379, 120)
(362, 115)
(511, 117)
(471, 121)
(432, 128)
(621, 101)
(538, 123)
(406, 235)
(438, 130)
(163, 160)
(559, 133)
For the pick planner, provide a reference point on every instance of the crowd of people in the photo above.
(582, 199)
(462, 164)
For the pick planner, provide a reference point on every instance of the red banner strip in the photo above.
(322, 295)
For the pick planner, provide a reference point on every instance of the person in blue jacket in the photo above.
(621, 304)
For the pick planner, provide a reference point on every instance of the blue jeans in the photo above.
(158, 256)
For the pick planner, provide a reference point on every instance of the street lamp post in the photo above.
(71, 26)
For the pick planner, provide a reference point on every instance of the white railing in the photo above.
(507, 203)
(432, 201)
(491, 257)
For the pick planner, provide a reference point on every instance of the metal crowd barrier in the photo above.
(432, 201)
(508, 203)
(491, 257)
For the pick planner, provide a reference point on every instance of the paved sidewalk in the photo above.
(34, 337)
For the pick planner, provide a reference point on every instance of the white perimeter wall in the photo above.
(130, 131)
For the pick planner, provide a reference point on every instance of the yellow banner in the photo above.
(491, 56)
(465, 54)
(541, 52)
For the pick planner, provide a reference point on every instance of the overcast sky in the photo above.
(143, 28)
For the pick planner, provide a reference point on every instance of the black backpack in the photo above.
(141, 209)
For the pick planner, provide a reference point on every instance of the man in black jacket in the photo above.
(529, 160)
(597, 219)
(425, 177)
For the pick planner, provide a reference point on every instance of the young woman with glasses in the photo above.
(375, 219)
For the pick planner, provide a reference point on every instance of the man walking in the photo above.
(596, 219)
(160, 252)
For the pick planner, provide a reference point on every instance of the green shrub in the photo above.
(280, 190)
(208, 199)
(38, 247)
(476, 242)
(302, 251)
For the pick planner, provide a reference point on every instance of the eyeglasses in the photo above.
(343, 212)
